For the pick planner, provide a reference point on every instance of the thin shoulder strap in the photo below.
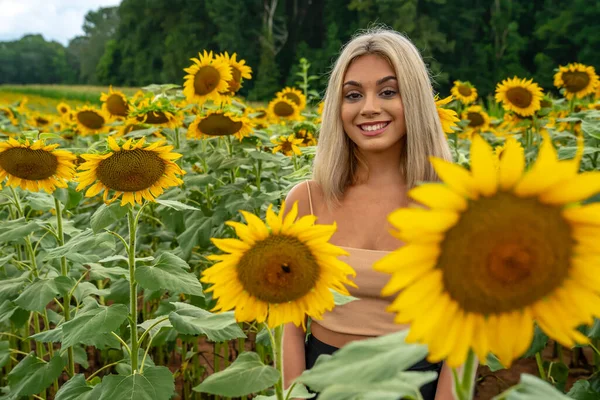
(309, 198)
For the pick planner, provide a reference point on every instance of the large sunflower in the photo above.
(35, 166)
(278, 273)
(577, 79)
(132, 170)
(479, 120)
(465, 92)
(294, 95)
(114, 103)
(497, 249)
(283, 109)
(448, 118)
(90, 120)
(220, 123)
(207, 79)
(239, 71)
(519, 95)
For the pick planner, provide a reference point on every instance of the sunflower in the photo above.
(35, 166)
(500, 151)
(465, 92)
(6, 112)
(156, 113)
(282, 109)
(207, 79)
(132, 170)
(63, 108)
(287, 145)
(90, 120)
(519, 95)
(219, 123)
(577, 79)
(307, 137)
(239, 71)
(496, 249)
(479, 120)
(448, 118)
(278, 274)
(39, 120)
(294, 95)
(114, 103)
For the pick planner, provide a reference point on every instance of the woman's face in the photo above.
(372, 110)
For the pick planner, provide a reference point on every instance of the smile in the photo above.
(372, 127)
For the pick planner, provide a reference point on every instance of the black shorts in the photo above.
(314, 348)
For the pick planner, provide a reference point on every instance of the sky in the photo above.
(59, 20)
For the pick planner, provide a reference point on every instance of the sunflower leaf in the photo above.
(531, 388)
(33, 375)
(583, 390)
(540, 339)
(5, 352)
(364, 362)
(341, 299)
(155, 383)
(92, 323)
(106, 216)
(298, 392)
(76, 388)
(192, 320)
(11, 287)
(36, 296)
(494, 363)
(246, 375)
(177, 205)
(169, 272)
(16, 229)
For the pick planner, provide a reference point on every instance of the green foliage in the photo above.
(33, 375)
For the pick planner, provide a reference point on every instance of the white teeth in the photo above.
(373, 127)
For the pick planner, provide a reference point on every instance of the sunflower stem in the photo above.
(132, 222)
(277, 347)
(64, 272)
(540, 364)
(594, 345)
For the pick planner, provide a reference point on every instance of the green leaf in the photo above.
(198, 233)
(594, 330)
(539, 342)
(7, 309)
(363, 362)
(4, 353)
(50, 336)
(75, 388)
(148, 323)
(591, 128)
(106, 216)
(92, 323)
(341, 299)
(9, 288)
(70, 197)
(32, 375)
(298, 392)
(558, 373)
(246, 375)
(582, 390)
(531, 388)
(176, 205)
(192, 320)
(84, 242)
(169, 272)
(16, 229)
(98, 271)
(36, 296)
(494, 363)
(64, 284)
(40, 201)
(155, 383)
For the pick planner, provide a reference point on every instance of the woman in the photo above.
(380, 125)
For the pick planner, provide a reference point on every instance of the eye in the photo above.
(352, 95)
(388, 93)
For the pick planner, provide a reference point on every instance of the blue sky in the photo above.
(58, 20)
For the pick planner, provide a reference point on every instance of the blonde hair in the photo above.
(337, 157)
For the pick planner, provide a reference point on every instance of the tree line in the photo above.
(150, 41)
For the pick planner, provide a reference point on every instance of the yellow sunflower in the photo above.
(465, 92)
(132, 170)
(207, 79)
(500, 151)
(519, 95)
(220, 123)
(280, 273)
(63, 108)
(259, 116)
(479, 120)
(239, 71)
(496, 249)
(90, 120)
(35, 166)
(577, 79)
(114, 103)
(155, 113)
(307, 137)
(6, 112)
(283, 109)
(287, 145)
(448, 118)
(294, 95)
(39, 120)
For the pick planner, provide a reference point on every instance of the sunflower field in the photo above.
(144, 253)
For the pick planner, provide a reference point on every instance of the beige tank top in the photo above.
(367, 316)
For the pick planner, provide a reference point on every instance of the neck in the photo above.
(382, 168)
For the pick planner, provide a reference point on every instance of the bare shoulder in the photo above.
(299, 194)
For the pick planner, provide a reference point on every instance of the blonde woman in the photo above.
(379, 127)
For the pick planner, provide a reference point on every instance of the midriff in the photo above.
(332, 338)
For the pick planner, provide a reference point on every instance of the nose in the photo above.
(370, 106)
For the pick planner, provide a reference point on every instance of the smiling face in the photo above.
(372, 110)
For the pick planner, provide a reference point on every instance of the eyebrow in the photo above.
(379, 82)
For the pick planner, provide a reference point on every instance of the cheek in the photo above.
(347, 113)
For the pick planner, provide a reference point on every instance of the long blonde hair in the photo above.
(337, 157)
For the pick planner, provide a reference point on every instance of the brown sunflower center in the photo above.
(283, 109)
(154, 117)
(116, 105)
(278, 269)
(28, 164)
(236, 82)
(519, 96)
(63, 110)
(505, 253)
(293, 97)
(206, 80)
(90, 119)
(465, 90)
(575, 81)
(131, 170)
(219, 125)
(286, 146)
(475, 119)
(41, 121)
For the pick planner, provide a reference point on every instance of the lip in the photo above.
(374, 133)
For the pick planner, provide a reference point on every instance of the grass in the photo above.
(83, 94)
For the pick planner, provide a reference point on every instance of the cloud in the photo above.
(59, 20)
